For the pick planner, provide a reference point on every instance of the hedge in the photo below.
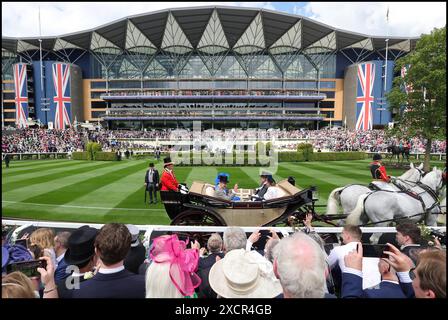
(196, 160)
(105, 156)
(79, 155)
(92, 147)
(320, 156)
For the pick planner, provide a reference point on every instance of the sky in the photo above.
(407, 19)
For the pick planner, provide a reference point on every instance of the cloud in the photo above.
(406, 19)
(20, 19)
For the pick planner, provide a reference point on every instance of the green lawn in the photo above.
(101, 192)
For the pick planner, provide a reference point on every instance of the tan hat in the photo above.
(239, 275)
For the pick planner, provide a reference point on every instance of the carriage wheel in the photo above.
(197, 218)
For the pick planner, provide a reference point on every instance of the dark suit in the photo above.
(59, 273)
(152, 187)
(135, 258)
(204, 266)
(352, 288)
(63, 291)
(123, 284)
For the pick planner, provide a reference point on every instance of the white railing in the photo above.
(39, 154)
(149, 229)
(417, 155)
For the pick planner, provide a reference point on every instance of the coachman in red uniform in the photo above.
(168, 180)
(377, 169)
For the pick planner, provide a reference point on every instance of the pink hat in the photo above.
(183, 262)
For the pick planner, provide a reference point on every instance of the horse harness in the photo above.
(413, 195)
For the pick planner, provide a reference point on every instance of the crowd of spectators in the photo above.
(69, 140)
(113, 263)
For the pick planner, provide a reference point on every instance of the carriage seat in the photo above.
(287, 188)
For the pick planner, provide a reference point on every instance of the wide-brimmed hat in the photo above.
(81, 245)
(240, 275)
(134, 231)
(377, 156)
(167, 161)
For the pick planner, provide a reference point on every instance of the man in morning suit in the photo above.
(80, 256)
(152, 182)
(112, 280)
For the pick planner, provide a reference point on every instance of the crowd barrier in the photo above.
(39, 154)
(149, 230)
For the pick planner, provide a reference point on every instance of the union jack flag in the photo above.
(21, 95)
(62, 100)
(366, 79)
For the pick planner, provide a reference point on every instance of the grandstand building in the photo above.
(228, 67)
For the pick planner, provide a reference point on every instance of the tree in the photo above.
(422, 111)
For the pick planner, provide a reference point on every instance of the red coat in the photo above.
(379, 171)
(168, 181)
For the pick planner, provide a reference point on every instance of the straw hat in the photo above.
(239, 275)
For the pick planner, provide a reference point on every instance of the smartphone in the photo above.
(29, 268)
(374, 250)
(22, 242)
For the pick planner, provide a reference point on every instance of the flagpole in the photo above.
(42, 98)
(385, 62)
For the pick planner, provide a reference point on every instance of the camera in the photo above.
(441, 236)
(29, 268)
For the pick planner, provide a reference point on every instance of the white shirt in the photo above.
(59, 258)
(111, 270)
(337, 255)
(271, 193)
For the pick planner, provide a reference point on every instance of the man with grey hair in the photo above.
(60, 247)
(214, 246)
(301, 268)
(234, 238)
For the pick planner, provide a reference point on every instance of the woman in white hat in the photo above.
(241, 275)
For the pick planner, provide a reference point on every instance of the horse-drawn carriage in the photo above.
(200, 206)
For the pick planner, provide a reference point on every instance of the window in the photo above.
(329, 94)
(328, 84)
(98, 104)
(327, 104)
(98, 85)
(98, 114)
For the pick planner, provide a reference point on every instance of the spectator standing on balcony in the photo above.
(168, 179)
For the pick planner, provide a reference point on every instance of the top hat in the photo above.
(81, 245)
(167, 161)
(377, 156)
(223, 179)
(265, 174)
(151, 165)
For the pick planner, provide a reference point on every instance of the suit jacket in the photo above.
(204, 266)
(59, 273)
(123, 284)
(63, 291)
(352, 288)
(155, 176)
(135, 258)
(168, 181)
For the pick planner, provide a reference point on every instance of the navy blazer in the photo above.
(123, 284)
(59, 273)
(63, 291)
(352, 288)
(205, 264)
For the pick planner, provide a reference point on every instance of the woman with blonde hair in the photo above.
(44, 239)
(17, 285)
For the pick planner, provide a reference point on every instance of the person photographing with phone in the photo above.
(352, 278)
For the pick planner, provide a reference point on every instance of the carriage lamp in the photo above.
(314, 193)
